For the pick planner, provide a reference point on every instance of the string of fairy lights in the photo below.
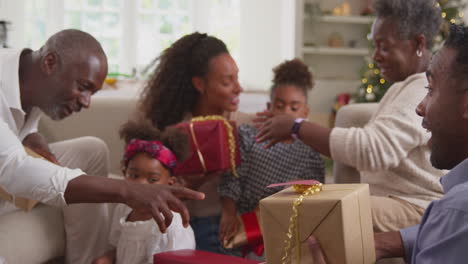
(376, 72)
(444, 14)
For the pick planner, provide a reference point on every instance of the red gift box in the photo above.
(214, 146)
(186, 256)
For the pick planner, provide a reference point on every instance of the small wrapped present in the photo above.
(214, 146)
(249, 235)
(190, 256)
(338, 215)
(19, 202)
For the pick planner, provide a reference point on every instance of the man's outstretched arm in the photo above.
(389, 245)
(24, 176)
(158, 200)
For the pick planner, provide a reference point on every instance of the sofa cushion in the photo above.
(352, 115)
(32, 237)
(103, 120)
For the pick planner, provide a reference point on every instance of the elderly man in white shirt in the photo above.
(59, 79)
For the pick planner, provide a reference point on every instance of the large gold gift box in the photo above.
(339, 216)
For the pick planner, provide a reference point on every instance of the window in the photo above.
(35, 24)
(159, 24)
(133, 32)
(102, 19)
(224, 23)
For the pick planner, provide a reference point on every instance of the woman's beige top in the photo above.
(391, 151)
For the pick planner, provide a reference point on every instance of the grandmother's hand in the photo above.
(273, 128)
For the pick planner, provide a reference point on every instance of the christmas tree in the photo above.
(373, 85)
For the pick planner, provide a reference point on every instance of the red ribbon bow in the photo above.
(253, 233)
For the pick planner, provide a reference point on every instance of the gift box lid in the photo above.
(186, 256)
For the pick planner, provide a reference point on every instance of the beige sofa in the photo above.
(353, 115)
(103, 120)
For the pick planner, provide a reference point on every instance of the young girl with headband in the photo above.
(150, 156)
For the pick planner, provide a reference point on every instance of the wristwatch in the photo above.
(295, 127)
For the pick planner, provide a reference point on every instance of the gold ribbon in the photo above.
(293, 230)
(231, 140)
(195, 142)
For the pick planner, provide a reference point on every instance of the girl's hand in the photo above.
(108, 258)
(316, 250)
(273, 128)
(228, 226)
(103, 260)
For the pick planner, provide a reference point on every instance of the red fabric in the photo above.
(187, 256)
(343, 98)
(253, 232)
(154, 148)
(305, 182)
(212, 139)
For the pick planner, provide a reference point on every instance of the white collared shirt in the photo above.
(137, 242)
(20, 174)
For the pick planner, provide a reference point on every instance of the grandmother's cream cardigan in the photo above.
(391, 151)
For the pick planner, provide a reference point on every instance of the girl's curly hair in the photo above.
(173, 138)
(292, 72)
(169, 94)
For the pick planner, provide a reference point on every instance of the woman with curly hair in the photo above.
(289, 160)
(196, 76)
(391, 151)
